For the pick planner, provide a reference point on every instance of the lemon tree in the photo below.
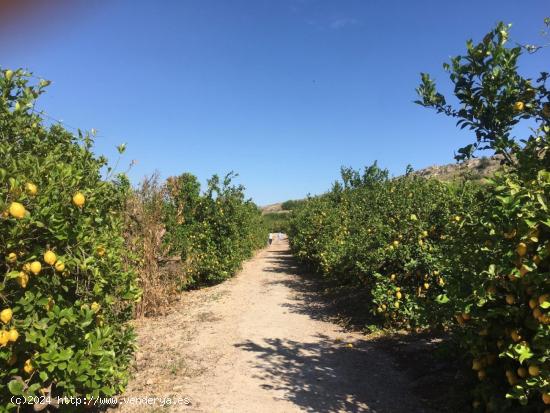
(65, 294)
(499, 261)
(214, 231)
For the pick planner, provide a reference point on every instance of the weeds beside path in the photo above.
(260, 343)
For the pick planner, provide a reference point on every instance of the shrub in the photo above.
(61, 241)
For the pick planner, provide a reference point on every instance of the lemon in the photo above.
(395, 243)
(31, 188)
(392, 277)
(100, 250)
(95, 307)
(4, 337)
(13, 335)
(28, 367)
(36, 267)
(521, 249)
(59, 266)
(476, 365)
(396, 304)
(522, 372)
(8, 74)
(543, 298)
(6, 315)
(12, 257)
(510, 299)
(79, 199)
(515, 336)
(17, 210)
(426, 286)
(50, 257)
(23, 279)
(398, 295)
(519, 106)
(534, 370)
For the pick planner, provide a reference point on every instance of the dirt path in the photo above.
(259, 343)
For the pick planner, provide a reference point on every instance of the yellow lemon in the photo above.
(50, 257)
(79, 199)
(398, 295)
(6, 315)
(426, 286)
(13, 335)
(36, 267)
(8, 74)
(100, 250)
(477, 365)
(534, 370)
(519, 106)
(31, 188)
(12, 257)
(28, 367)
(95, 307)
(521, 249)
(17, 210)
(23, 279)
(59, 266)
(4, 337)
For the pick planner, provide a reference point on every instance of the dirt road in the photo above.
(260, 343)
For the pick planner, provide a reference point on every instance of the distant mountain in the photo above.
(475, 169)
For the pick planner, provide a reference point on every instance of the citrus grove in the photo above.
(468, 258)
(74, 252)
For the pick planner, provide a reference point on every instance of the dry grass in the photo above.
(159, 275)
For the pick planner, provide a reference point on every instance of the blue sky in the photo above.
(284, 92)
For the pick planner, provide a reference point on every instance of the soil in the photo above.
(264, 341)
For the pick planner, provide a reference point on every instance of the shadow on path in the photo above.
(328, 376)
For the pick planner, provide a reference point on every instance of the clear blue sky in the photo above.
(284, 92)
